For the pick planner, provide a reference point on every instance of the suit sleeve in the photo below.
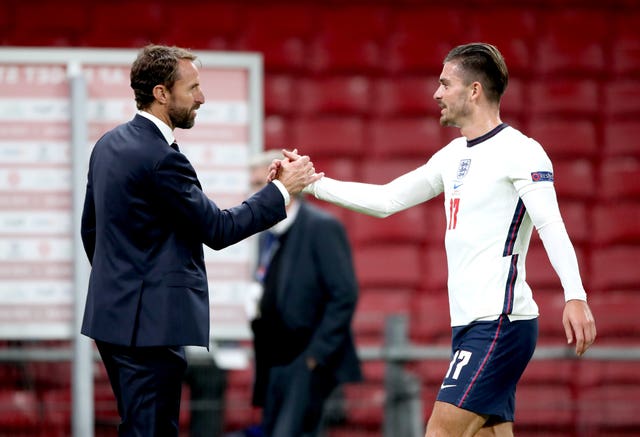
(181, 196)
(88, 222)
(335, 265)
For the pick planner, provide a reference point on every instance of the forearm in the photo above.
(375, 200)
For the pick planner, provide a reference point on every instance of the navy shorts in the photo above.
(488, 359)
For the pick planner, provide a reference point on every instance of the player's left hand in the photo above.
(579, 325)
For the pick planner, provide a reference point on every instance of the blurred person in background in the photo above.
(144, 222)
(303, 341)
(497, 185)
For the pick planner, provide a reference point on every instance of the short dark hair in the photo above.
(155, 65)
(484, 63)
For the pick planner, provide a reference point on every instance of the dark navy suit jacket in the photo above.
(316, 293)
(144, 222)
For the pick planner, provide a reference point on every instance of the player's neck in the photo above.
(480, 125)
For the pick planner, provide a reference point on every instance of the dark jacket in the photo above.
(144, 222)
(316, 293)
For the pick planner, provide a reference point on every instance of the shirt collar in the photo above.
(283, 226)
(165, 130)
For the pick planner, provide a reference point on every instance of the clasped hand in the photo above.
(294, 171)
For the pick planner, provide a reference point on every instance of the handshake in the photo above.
(294, 171)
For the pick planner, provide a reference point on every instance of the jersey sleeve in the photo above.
(410, 189)
(530, 167)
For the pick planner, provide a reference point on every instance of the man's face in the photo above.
(453, 96)
(185, 96)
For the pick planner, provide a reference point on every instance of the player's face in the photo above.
(452, 96)
(185, 96)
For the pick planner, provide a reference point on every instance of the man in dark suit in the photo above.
(303, 341)
(144, 223)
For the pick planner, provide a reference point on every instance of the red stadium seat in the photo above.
(276, 132)
(563, 50)
(616, 314)
(574, 179)
(364, 404)
(381, 171)
(340, 46)
(56, 411)
(409, 226)
(280, 93)
(610, 407)
(550, 305)
(541, 372)
(615, 267)
(110, 26)
(375, 305)
(388, 265)
(616, 223)
(408, 96)
(622, 99)
(281, 32)
(511, 30)
(575, 215)
(19, 411)
(430, 320)
(210, 26)
(334, 95)
(565, 139)
(626, 46)
(619, 178)
(513, 103)
(621, 138)
(329, 136)
(540, 273)
(434, 269)
(568, 97)
(36, 28)
(420, 39)
(405, 137)
(238, 411)
(544, 404)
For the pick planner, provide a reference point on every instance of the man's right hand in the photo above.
(296, 173)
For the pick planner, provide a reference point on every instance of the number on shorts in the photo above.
(460, 359)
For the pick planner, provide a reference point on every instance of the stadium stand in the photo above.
(351, 84)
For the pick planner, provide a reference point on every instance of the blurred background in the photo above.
(350, 83)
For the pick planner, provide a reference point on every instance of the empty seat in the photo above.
(626, 47)
(563, 50)
(615, 267)
(511, 30)
(575, 215)
(574, 179)
(544, 404)
(622, 98)
(340, 47)
(364, 404)
(565, 139)
(405, 96)
(420, 39)
(211, 25)
(405, 137)
(575, 97)
(434, 273)
(36, 28)
(19, 410)
(408, 226)
(619, 178)
(388, 265)
(280, 32)
(541, 372)
(334, 95)
(621, 138)
(56, 411)
(280, 93)
(610, 407)
(430, 320)
(329, 136)
(616, 223)
(616, 315)
(551, 306)
(374, 306)
(381, 171)
(110, 26)
(277, 132)
(540, 273)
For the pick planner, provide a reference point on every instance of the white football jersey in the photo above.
(488, 227)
